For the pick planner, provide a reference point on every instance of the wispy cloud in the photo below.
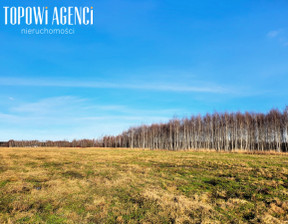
(279, 35)
(48, 105)
(211, 88)
(273, 33)
(69, 117)
(66, 104)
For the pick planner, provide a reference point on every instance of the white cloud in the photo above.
(66, 105)
(273, 33)
(69, 117)
(279, 35)
(109, 85)
(48, 105)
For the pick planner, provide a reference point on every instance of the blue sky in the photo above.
(142, 62)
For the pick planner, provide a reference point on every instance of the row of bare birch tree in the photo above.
(219, 131)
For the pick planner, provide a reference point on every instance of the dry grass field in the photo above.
(65, 185)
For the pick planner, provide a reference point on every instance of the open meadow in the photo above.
(97, 185)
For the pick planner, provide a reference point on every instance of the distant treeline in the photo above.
(219, 131)
(36, 143)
